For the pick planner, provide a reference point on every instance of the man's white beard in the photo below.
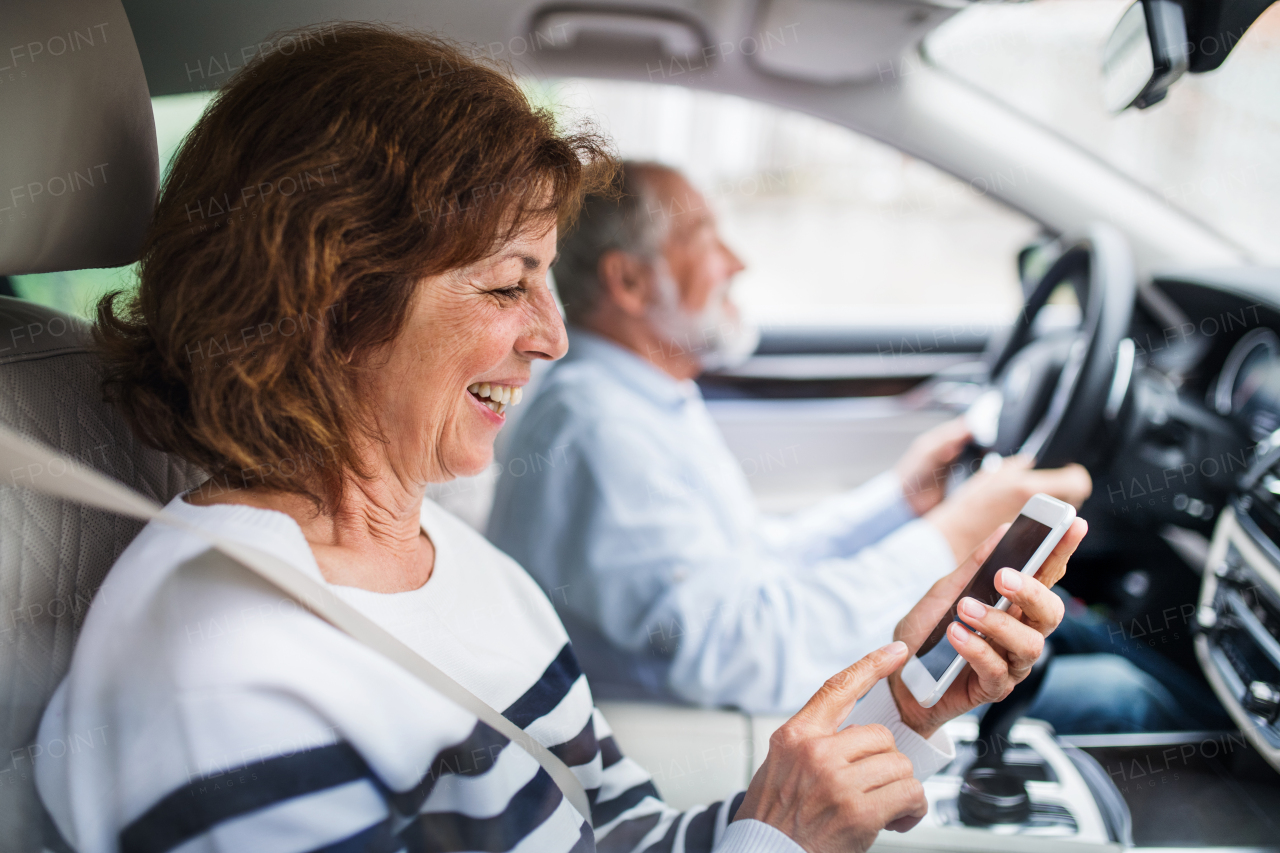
(717, 340)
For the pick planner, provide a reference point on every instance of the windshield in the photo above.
(1209, 148)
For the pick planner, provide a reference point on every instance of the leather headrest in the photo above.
(80, 169)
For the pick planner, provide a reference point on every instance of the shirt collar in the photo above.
(629, 368)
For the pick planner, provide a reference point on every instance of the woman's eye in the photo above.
(509, 294)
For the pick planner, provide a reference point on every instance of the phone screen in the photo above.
(1013, 550)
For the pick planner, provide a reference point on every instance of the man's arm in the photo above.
(623, 539)
(662, 574)
(844, 524)
(841, 525)
(994, 497)
(750, 634)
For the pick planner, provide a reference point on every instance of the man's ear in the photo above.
(625, 281)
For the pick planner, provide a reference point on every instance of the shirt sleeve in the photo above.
(753, 836)
(740, 627)
(628, 814)
(841, 525)
(928, 756)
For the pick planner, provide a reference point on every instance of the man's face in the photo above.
(690, 309)
(701, 265)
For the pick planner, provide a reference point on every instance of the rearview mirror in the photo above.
(1147, 51)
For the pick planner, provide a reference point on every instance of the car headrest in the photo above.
(80, 169)
(53, 553)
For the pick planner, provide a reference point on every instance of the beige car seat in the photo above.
(79, 180)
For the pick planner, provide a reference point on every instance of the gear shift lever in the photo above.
(991, 793)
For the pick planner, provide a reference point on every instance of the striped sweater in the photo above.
(204, 711)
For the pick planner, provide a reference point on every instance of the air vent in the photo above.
(1261, 501)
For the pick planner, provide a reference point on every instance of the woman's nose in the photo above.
(545, 335)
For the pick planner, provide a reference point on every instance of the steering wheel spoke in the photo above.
(1057, 390)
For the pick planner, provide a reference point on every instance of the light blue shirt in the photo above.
(621, 498)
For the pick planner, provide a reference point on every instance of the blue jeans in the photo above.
(1106, 694)
(1091, 690)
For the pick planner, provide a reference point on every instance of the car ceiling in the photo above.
(184, 45)
(852, 62)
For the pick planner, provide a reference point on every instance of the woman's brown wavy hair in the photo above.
(300, 213)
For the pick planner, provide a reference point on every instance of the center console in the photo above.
(1071, 795)
(1238, 615)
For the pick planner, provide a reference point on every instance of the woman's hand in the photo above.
(1014, 638)
(834, 790)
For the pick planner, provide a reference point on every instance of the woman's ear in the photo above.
(625, 281)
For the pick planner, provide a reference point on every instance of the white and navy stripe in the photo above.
(240, 724)
(477, 795)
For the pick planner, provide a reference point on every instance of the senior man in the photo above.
(641, 526)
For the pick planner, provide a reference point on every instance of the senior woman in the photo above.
(343, 286)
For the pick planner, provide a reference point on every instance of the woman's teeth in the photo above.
(497, 397)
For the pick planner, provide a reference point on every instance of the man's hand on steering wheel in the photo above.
(923, 468)
(993, 497)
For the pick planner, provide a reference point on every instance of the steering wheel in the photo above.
(1051, 394)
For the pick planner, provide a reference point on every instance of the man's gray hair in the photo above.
(632, 223)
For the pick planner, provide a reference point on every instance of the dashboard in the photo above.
(1212, 396)
(1248, 386)
(1206, 392)
(1220, 335)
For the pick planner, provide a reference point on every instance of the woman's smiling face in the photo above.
(481, 325)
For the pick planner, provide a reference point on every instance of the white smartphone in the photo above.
(1024, 546)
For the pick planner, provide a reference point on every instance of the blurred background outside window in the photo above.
(1210, 148)
(834, 227)
(76, 292)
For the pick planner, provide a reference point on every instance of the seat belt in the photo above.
(28, 463)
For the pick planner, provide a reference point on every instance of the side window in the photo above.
(833, 226)
(76, 292)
